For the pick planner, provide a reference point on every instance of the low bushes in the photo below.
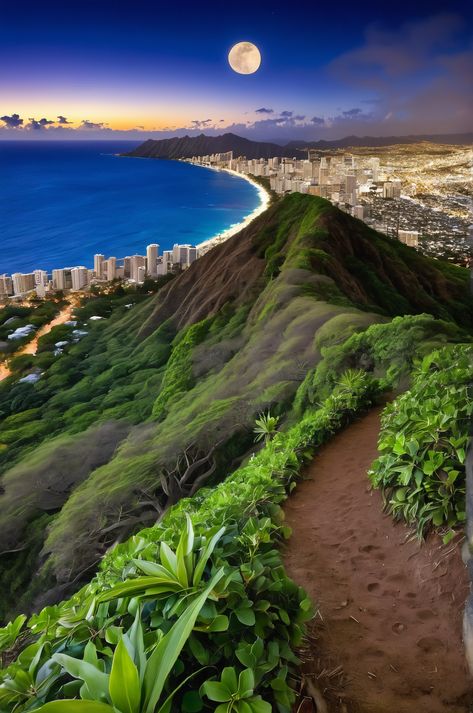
(214, 556)
(423, 441)
(386, 351)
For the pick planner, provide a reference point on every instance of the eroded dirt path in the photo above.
(390, 609)
(31, 347)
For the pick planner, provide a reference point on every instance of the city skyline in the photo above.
(103, 73)
(133, 268)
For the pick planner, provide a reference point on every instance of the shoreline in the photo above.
(263, 194)
(265, 200)
(209, 243)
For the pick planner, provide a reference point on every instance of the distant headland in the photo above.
(189, 146)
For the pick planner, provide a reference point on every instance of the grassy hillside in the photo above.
(160, 396)
(134, 456)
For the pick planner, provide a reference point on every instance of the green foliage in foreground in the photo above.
(423, 441)
(223, 590)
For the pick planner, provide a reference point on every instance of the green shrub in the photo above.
(423, 441)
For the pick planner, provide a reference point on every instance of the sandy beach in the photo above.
(233, 229)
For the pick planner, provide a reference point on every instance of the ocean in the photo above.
(62, 202)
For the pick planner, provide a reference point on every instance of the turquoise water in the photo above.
(61, 202)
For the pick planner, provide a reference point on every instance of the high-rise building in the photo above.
(184, 255)
(141, 273)
(127, 267)
(98, 265)
(62, 278)
(6, 285)
(40, 277)
(409, 237)
(79, 277)
(136, 261)
(192, 254)
(307, 169)
(110, 268)
(374, 164)
(152, 259)
(23, 282)
(324, 171)
(388, 190)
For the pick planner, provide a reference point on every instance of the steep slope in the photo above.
(188, 370)
(349, 263)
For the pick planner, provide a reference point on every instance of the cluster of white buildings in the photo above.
(132, 268)
(344, 179)
(348, 181)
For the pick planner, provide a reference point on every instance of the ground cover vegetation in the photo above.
(150, 419)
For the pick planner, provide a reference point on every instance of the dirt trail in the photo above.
(31, 347)
(390, 609)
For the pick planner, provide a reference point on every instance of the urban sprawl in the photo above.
(359, 185)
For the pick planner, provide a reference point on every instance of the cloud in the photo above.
(421, 76)
(200, 123)
(13, 121)
(38, 125)
(317, 120)
(92, 125)
(62, 120)
(299, 117)
(287, 114)
(352, 112)
(264, 110)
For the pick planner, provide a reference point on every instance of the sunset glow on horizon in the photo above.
(361, 71)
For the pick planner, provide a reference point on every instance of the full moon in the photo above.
(244, 58)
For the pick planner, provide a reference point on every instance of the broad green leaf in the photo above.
(155, 570)
(168, 558)
(220, 623)
(229, 679)
(245, 616)
(184, 552)
(199, 651)
(139, 585)
(216, 691)
(205, 556)
(124, 683)
(135, 635)
(246, 683)
(259, 706)
(243, 707)
(75, 707)
(166, 653)
(95, 680)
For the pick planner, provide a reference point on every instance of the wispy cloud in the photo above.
(264, 110)
(92, 125)
(200, 123)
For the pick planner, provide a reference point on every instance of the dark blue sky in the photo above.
(333, 68)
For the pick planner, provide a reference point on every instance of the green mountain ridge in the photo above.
(160, 399)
